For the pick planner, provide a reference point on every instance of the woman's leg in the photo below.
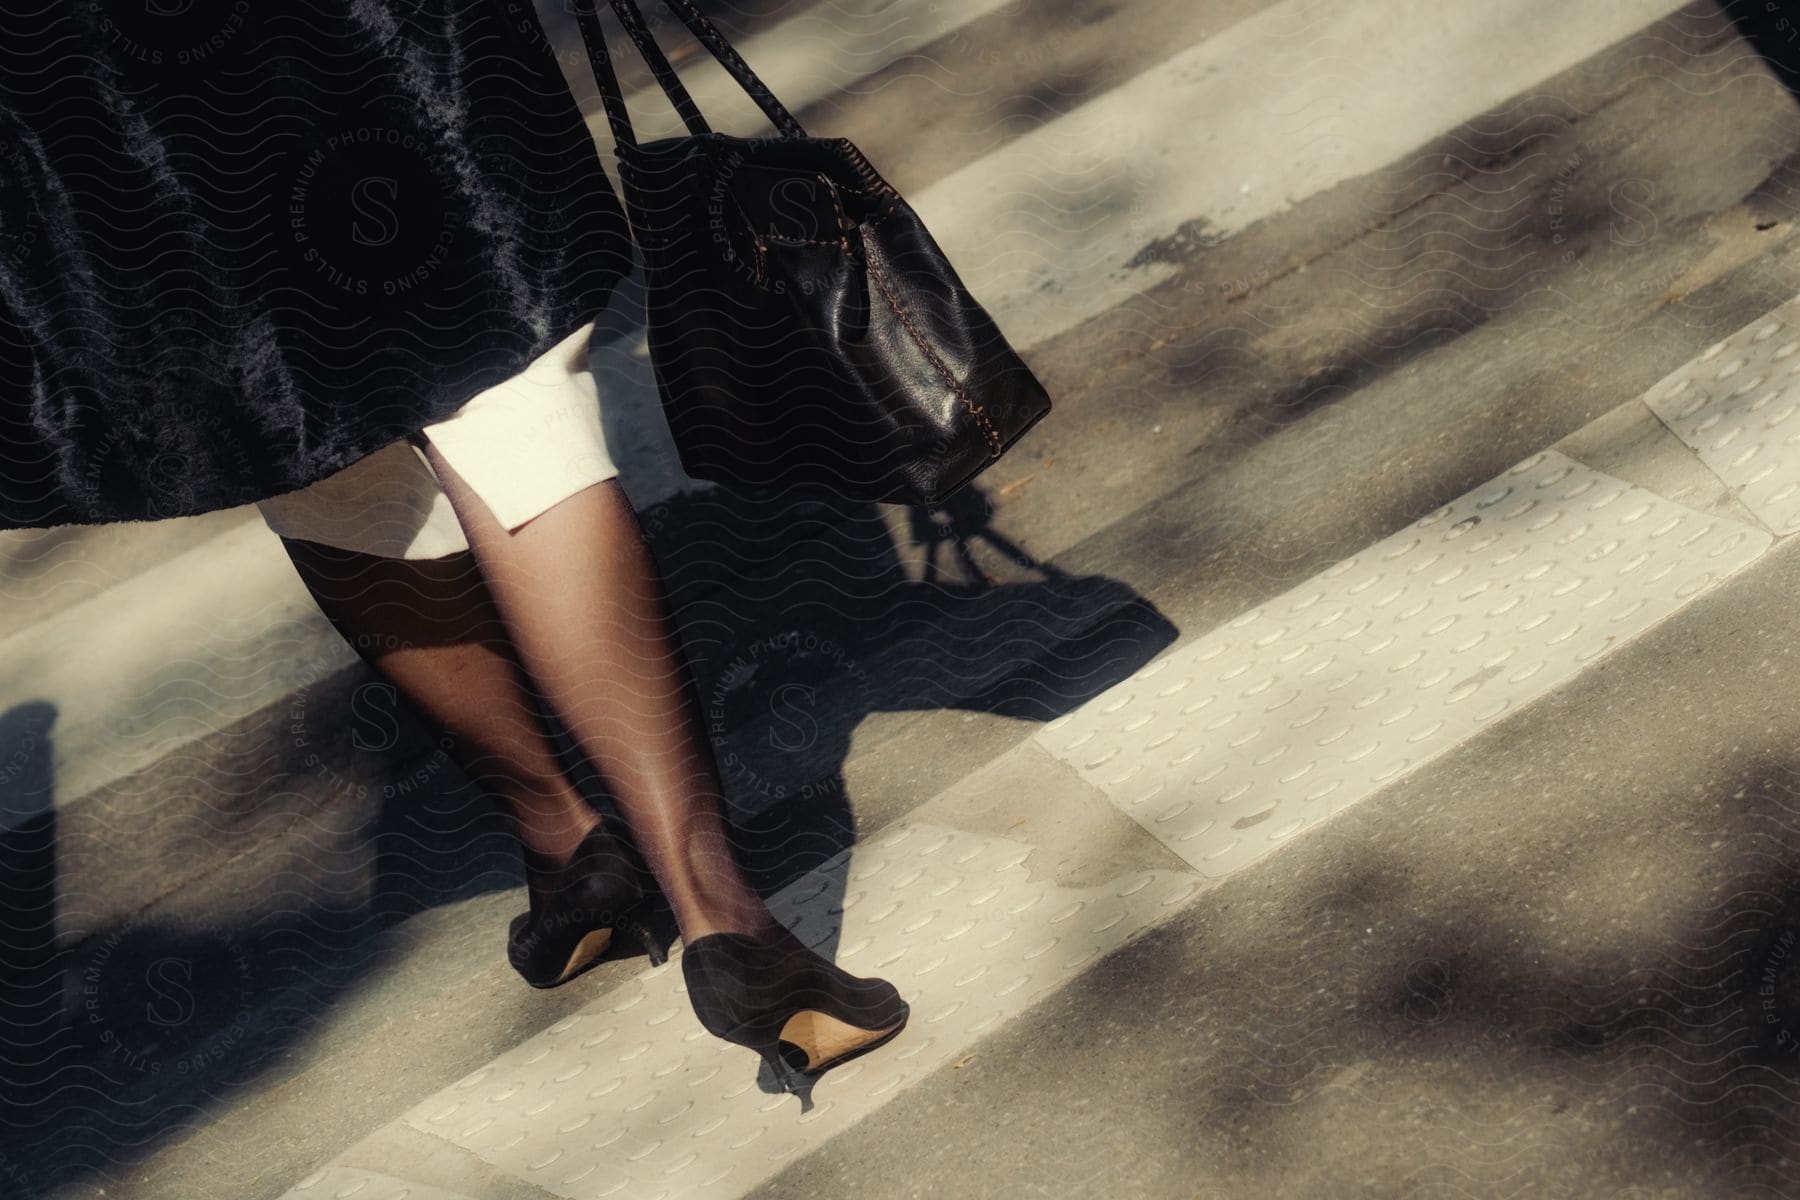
(430, 627)
(583, 604)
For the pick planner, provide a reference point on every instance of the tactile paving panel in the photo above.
(354, 1183)
(632, 1098)
(1257, 730)
(1736, 406)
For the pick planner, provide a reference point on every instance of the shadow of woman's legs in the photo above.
(30, 978)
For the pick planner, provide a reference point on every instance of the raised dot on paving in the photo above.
(1230, 745)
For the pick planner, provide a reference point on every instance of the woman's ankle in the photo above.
(550, 846)
(751, 920)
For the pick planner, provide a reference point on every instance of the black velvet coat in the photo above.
(245, 242)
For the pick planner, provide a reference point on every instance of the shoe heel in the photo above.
(571, 924)
(656, 952)
(775, 996)
(787, 1078)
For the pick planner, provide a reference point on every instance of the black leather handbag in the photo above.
(804, 327)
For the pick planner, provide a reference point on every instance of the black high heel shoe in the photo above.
(580, 905)
(802, 1013)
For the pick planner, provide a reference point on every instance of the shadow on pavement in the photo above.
(800, 619)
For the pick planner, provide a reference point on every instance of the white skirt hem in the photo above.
(523, 446)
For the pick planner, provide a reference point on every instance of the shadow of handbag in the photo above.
(804, 327)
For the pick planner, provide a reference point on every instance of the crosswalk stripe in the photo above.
(1235, 129)
(808, 57)
(632, 1097)
(1243, 738)
(235, 630)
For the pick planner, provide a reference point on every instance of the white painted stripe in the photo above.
(1280, 106)
(1738, 407)
(179, 652)
(806, 58)
(632, 1097)
(1231, 745)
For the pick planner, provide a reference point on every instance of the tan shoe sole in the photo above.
(586, 951)
(825, 1039)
